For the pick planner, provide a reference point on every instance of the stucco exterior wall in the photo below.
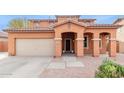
(121, 47)
(89, 49)
(13, 36)
(74, 28)
(120, 39)
(64, 18)
(3, 44)
(69, 26)
(120, 34)
(32, 24)
(78, 30)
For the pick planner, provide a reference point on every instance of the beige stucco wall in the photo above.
(120, 34)
(121, 47)
(120, 38)
(32, 35)
(66, 27)
(3, 39)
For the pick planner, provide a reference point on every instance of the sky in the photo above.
(100, 19)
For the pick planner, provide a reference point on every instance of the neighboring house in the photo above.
(3, 41)
(63, 35)
(120, 35)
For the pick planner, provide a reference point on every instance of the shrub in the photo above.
(109, 69)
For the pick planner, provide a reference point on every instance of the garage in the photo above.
(35, 47)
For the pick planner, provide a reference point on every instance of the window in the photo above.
(36, 25)
(100, 41)
(85, 41)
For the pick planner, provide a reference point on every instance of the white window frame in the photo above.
(87, 42)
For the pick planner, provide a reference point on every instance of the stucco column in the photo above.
(11, 46)
(1, 46)
(80, 46)
(58, 47)
(58, 44)
(112, 45)
(104, 44)
(96, 50)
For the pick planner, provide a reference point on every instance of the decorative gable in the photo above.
(69, 22)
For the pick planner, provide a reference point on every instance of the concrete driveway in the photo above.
(38, 67)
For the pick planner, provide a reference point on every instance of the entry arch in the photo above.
(105, 38)
(79, 50)
(69, 28)
(69, 42)
(88, 42)
(111, 42)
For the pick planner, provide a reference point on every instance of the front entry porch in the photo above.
(91, 44)
(76, 39)
(68, 43)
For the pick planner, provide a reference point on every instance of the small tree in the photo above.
(18, 23)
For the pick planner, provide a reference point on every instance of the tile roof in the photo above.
(118, 20)
(41, 29)
(87, 19)
(51, 27)
(89, 25)
(43, 20)
(56, 20)
(67, 16)
(103, 25)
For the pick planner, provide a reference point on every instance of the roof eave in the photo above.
(42, 20)
(114, 27)
(119, 19)
(3, 36)
(28, 30)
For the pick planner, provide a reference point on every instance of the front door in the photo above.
(68, 45)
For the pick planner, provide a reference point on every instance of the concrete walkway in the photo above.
(3, 55)
(64, 67)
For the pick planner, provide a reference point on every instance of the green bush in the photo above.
(109, 69)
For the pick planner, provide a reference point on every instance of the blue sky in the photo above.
(4, 19)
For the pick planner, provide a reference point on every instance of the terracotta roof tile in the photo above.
(118, 20)
(87, 19)
(54, 20)
(51, 27)
(28, 29)
(104, 25)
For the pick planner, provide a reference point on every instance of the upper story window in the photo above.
(51, 23)
(36, 25)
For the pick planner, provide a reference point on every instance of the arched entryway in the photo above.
(109, 43)
(69, 42)
(104, 43)
(100, 43)
(88, 43)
